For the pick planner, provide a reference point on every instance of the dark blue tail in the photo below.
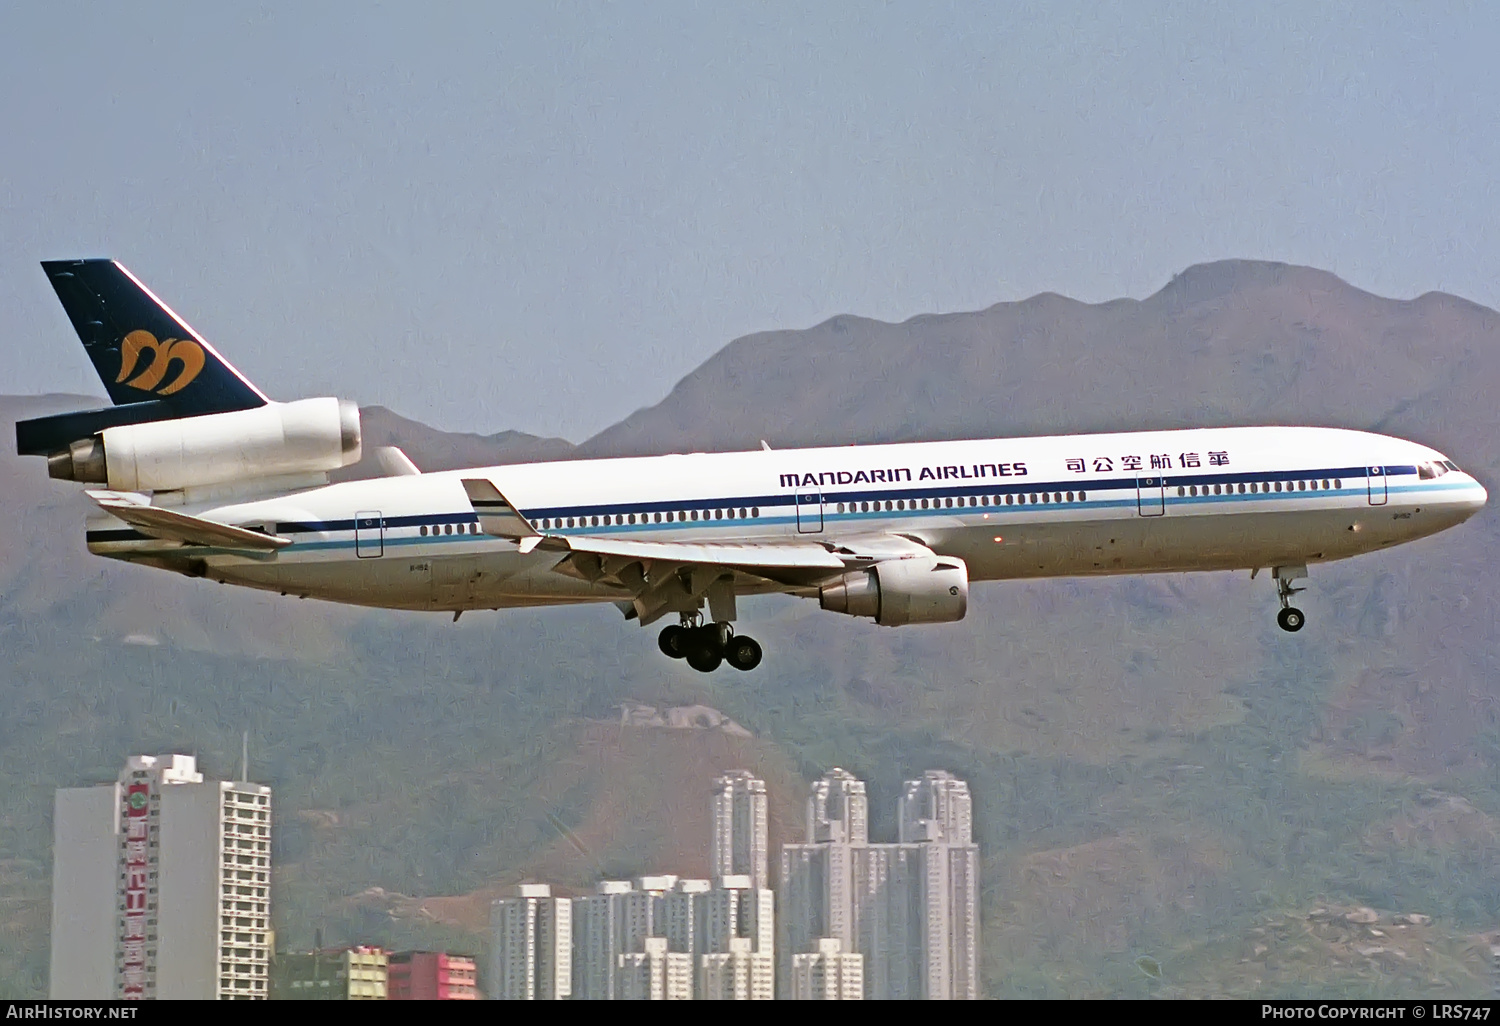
(141, 349)
(153, 364)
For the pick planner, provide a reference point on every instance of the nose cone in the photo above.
(1481, 496)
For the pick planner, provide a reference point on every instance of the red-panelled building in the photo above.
(431, 976)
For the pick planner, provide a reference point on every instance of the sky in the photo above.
(540, 217)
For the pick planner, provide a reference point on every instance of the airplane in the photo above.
(204, 475)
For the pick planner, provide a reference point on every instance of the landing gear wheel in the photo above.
(1291, 619)
(743, 652)
(673, 641)
(705, 660)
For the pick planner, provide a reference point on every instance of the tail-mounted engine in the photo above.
(925, 589)
(309, 435)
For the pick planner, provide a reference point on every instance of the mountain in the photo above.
(1157, 769)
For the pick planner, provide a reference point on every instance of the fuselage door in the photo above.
(1377, 486)
(1150, 496)
(809, 512)
(369, 534)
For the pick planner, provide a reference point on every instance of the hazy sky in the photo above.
(499, 216)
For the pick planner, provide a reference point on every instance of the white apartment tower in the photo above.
(938, 800)
(161, 886)
(600, 936)
(741, 845)
(738, 974)
(838, 810)
(910, 908)
(655, 974)
(532, 946)
(828, 973)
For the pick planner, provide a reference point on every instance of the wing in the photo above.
(665, 577)
(173, 526)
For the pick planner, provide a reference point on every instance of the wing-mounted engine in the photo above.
(921, 589)
(307, 436)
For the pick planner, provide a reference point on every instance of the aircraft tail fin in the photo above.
(142, 350)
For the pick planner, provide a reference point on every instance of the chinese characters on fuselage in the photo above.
(1155, 461)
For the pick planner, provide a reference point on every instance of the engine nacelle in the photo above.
(931, 589)
(279, 438)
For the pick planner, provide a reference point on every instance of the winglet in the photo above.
(497, 516)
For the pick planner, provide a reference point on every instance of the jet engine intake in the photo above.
(309, 435)
(926, 589)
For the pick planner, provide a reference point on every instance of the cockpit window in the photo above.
(1450, 464)
(1426, 471)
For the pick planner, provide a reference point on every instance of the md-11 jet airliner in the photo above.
(201, 473)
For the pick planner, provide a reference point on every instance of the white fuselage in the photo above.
(1205, 499)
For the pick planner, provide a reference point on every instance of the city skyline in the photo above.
(838, 925)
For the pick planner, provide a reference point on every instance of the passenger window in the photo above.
(755, 511)
(1083, 497)
(1008, 500)
(1070, 496)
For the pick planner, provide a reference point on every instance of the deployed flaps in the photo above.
(497, 517)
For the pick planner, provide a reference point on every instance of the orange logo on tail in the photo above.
(184, 351)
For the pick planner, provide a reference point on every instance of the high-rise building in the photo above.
(531, 946)
(161, 886)
(349, 974)
(838, 810)
(737, 974)
(655, 973)
(680, 914)
(606, 924)
(827, 973)
(741, 845)
(816, 897)
(910, 908)
(937, 807)
(431, 976)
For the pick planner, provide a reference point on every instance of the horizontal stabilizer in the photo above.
(173, 526)
(497, 517)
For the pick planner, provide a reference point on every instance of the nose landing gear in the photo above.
(707, 646)
(1290, 619)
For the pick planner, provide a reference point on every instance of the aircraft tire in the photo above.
(705, 660)
(673, 641)
(1291, 620)
(743, 653)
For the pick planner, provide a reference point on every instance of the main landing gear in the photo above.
(1290, 619)
(707, 646)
